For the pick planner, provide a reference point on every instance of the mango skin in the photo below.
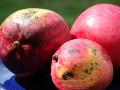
(29, 37)
(101, 23)
(81, 64)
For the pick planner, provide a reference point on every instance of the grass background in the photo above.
(69, 9)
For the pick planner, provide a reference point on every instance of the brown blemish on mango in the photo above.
(81, 73)
(82, 78)
(87, 71)
(29, 13)
(94, 51)
(73, 51)
(55, 57)
(67, 75)
(75, 65)
(92, 67)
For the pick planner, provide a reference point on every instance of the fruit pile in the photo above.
(34, 41)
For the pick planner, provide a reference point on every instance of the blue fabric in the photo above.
(2, 87)
(7, 79)
(11, 84)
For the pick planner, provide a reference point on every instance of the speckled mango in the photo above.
(81, 64)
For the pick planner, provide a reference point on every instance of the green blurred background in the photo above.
(69, 9)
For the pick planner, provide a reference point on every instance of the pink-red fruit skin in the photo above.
(29, 37)
(81, 64)
(101, 23)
